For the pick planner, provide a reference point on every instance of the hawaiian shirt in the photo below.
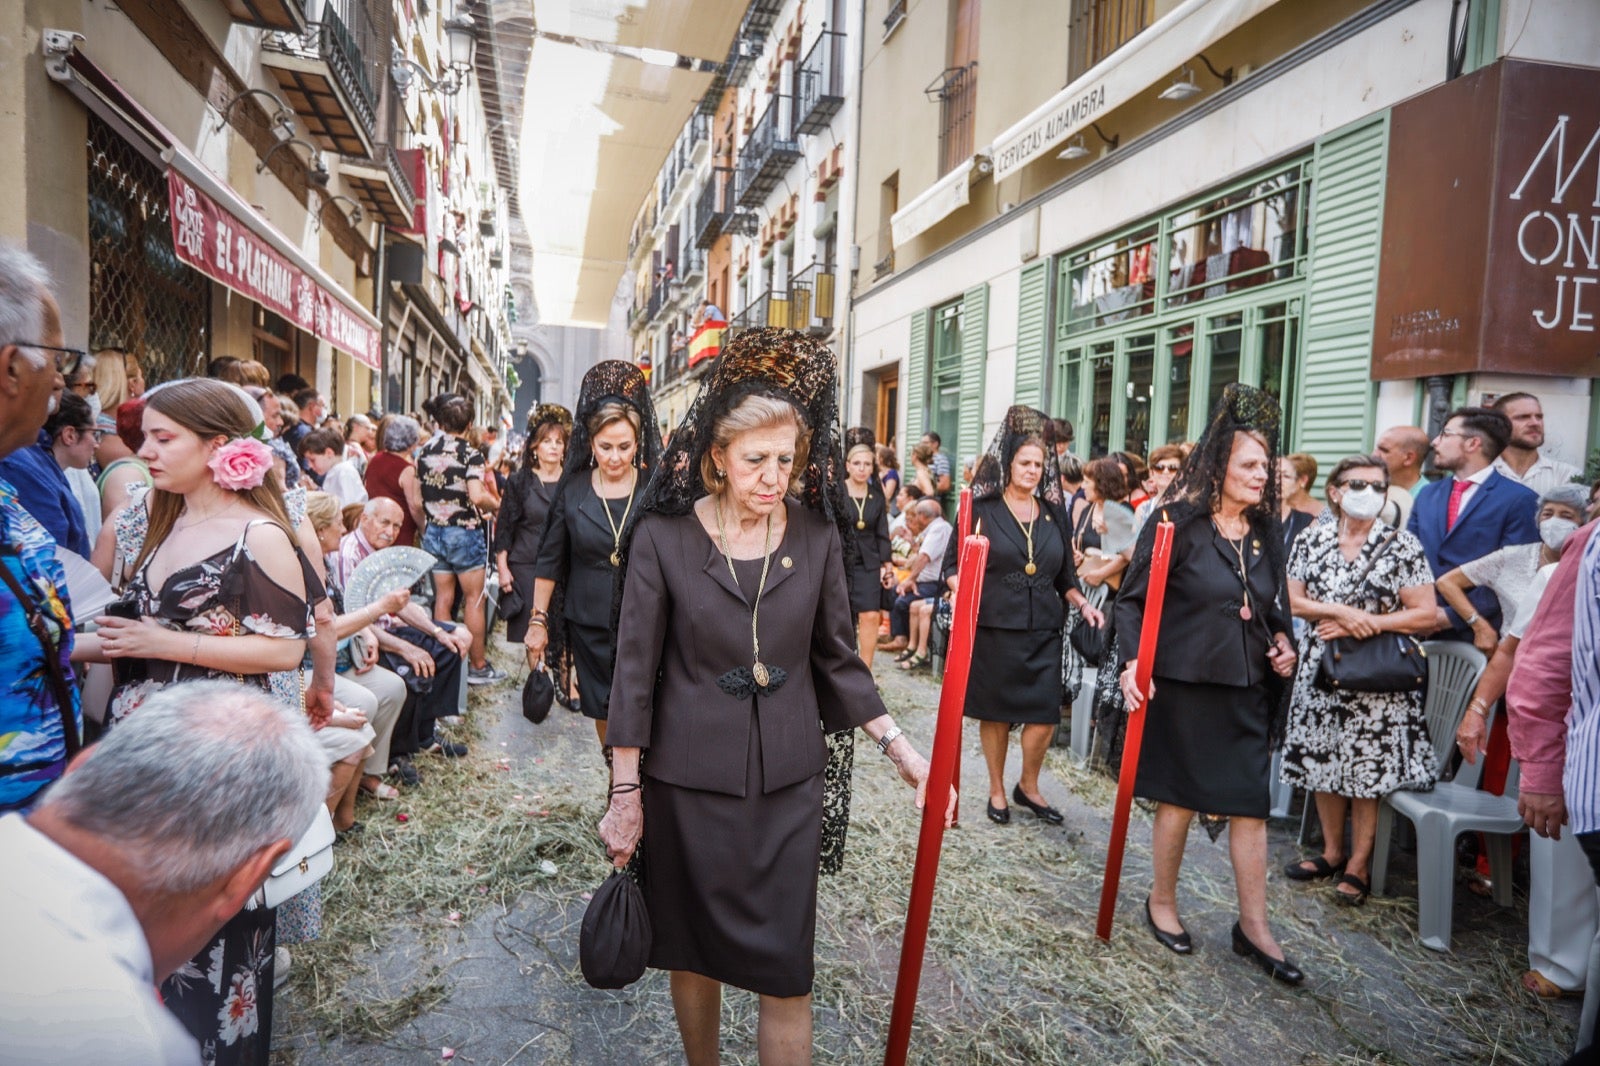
(33, 749)
(444, 466)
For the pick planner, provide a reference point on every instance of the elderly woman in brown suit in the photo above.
(737, 654)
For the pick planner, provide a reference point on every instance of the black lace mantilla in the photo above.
(740, 683)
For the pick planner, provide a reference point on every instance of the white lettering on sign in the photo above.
(1567, 239)
(1050, 130)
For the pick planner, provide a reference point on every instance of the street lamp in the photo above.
(461, 40)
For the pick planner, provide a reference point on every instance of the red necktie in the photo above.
(1457, 491)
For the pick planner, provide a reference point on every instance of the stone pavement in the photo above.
(512, 993)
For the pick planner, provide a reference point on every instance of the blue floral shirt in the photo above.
(33, 750)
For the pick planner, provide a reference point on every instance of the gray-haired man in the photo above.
(152, 841)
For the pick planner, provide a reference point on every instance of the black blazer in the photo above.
(1013, 599)
(577, 547)
(873, 541)
(685, 623)
(1202, 637)
(519, 527)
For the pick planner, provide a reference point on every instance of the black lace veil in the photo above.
(992, 471)
(782, 363)
(611, 381)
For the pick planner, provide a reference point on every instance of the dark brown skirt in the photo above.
(731, 881)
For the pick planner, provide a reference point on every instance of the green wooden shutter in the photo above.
(1033, 331)
(916, 394)
(1334, 390)
(974, 361)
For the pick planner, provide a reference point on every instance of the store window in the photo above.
(1155, 321)
(142, 297)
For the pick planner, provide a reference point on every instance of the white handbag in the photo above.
(303, 865)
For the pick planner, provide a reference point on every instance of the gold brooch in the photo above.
(786, 562)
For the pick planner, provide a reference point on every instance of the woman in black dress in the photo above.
(615, 446)
(1219, 697)
(740, 657)
(1027, 582)
(868, 567)
(529, 493)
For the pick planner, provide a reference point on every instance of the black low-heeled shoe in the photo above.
(1174, 942)
(998, 815)
(1043, 811)
(1278, 969)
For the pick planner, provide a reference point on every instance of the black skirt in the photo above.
(1016, 676)
(1206, 748)
(522, 575)
(593, 649)
(731, 881)
(866, 590)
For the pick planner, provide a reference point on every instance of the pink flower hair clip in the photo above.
(241, 464)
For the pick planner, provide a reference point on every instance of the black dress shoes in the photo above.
(999, 815)
(1043, 811)
(1175, 942)
(1278, 969)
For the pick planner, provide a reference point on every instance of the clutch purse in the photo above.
(303, 865)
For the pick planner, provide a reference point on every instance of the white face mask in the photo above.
(1362, 505)
(94, 407)
(1555, 531)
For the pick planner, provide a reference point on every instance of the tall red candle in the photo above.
(964, 530)
(1133, 738)
(941, 776)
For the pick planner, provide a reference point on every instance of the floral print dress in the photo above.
(223, 996)
(1363, 745)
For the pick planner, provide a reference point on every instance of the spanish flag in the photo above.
(706, 342)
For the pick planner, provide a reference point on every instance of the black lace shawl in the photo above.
(611, 381)
(992, 472)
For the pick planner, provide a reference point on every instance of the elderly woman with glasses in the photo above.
(1355, 577)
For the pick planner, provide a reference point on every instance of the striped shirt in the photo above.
(1581, 779)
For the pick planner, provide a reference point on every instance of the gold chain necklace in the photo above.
(1027, 532)
(1238, 550)
(759, 669)
(616, 530)
(861, 508)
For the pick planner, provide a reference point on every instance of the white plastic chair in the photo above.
(1453, 807)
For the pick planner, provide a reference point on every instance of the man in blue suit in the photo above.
(1473, 512)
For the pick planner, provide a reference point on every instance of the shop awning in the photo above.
(932, 204)
(217, 232)
(1158, 52)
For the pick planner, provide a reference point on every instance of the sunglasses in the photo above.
(1361, 484)
(1166, 468)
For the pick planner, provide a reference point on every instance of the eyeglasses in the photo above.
(90, 431)
(1455, 433)
(1362, 484)
(1166, 468)
(67, 359)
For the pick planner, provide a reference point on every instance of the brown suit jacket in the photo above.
(685, 623)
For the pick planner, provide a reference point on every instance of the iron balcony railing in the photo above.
(767, 153)
(713, 206)
(771, 308)
(896, 15)
(346, 41)
(811, 296)
(821, 84)
(956, 89)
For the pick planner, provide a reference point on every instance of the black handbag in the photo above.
(538, 693)
(1386, 662)
(1088, 641)
(614, 942)
(510, 603)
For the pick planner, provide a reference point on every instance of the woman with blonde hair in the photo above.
(615, 445)
(869, 565)
(117, 377)
(218, 588)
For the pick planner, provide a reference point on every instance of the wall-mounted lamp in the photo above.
(461, 36)
(1076, 149)
(316, 169)
(1183, 86)
(354, 216)
(282, 120)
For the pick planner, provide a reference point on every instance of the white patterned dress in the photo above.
(1357, 744)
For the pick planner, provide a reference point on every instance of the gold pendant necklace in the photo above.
(616, 530)
(1238, 550)
(1027, 532)
(758, 669)
(861, 509)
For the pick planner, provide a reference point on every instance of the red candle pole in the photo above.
(941, 776)
(964, 529)
(1133, 738)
